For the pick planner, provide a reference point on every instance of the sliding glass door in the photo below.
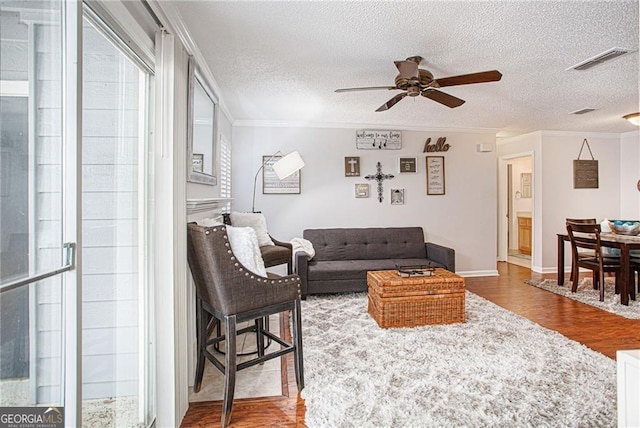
(114, 205)
(56, 306)
(33, 260)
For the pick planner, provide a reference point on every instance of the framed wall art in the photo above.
(196, 162)
(375, 139)
(408, 165)
(435, 175)
(362, 190)
(397, 196)
(272, 185)
(352, 166)
(525, 184)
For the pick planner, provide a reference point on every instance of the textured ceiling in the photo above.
(282, 61)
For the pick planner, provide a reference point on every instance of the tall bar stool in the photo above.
(229, 293)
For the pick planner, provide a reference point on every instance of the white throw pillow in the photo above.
(256, 221)
(244, 245)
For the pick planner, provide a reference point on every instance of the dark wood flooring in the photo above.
(597, 329)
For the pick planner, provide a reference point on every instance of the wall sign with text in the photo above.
(408, 164)
(439, 146)
(376, 139)
(585, 172)
(435, 175)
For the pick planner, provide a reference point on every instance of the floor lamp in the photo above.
(283, 168)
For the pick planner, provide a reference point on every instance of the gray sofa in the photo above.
(343, 256)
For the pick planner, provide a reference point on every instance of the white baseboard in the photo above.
(554, 269)
(475, 273)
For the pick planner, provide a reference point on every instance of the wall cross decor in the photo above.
(379, 177)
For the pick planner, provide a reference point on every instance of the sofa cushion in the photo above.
(357, 269)
(367, 243)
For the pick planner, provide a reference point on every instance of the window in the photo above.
(225, 172)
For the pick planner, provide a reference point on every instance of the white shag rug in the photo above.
(586, 294)
(497, 369)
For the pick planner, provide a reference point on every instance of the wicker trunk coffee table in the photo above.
(396, 301)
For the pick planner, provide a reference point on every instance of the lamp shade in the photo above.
(633, 118)
(288, 165)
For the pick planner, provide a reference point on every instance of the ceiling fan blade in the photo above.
(393, 101)
(443, 98)
(467, 79)
(369, 88)
(407, 69)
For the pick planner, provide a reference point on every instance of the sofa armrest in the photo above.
(440, 254)
(302, 266)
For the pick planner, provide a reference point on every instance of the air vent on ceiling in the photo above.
(583, 111)
(600, 58)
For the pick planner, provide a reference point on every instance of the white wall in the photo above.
(560, 200)
(555, 199)
(464, 218)
(630, 175)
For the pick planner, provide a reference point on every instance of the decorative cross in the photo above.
(379, 177)
(353, 163)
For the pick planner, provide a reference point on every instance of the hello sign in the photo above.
(439, 146)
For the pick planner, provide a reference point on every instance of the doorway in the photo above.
(519, 206)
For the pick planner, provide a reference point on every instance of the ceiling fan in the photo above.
(416, 81)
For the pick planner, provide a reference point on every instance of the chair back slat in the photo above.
(584, 236)
(581, 220)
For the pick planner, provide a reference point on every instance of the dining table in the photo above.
(625, 243)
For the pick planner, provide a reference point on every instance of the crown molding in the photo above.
(635, 133)
(580, 134)
(543, 133)
(517, 138)
(174, 23)
(339, 125)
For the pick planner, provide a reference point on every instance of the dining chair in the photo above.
(586, 237)
(574, 269)
(228, 293)
(634, 285)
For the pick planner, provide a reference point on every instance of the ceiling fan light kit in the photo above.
(634, 118)
(416, 81)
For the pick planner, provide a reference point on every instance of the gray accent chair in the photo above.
(344, 256)
(226, 292)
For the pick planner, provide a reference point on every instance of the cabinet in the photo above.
(628, 374)
(524, 235)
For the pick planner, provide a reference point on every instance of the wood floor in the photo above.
(597, 329)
